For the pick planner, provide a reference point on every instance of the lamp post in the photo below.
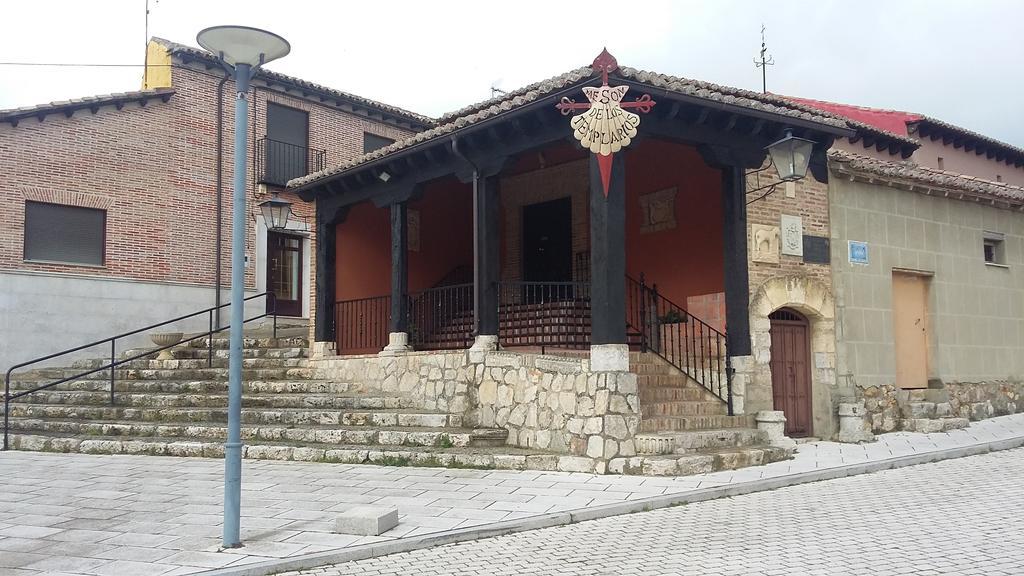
(791, 155)
(275, 212)
(242, 50)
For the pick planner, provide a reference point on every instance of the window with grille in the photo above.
(994, 248)
(58, 233)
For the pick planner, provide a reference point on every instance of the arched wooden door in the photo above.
(791, 370)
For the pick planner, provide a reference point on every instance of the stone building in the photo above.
(132, 181)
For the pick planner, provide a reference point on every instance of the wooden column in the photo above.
(737, 282)
(328, 216)
(486, 255)
(399, 268)
(608, 254)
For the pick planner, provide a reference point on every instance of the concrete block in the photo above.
(366, 520)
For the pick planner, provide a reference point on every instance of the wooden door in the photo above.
(910, 329)
(791, 370)
(284, 273)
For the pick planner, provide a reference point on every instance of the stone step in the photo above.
(691, 408)
(917, 410)
(674, 394)
(698, 463)
(683, 423)
(930, 425)
(304, 372)
(199, 386)
(360, 414)
(168, 406)
(334, 435)
(225, 342)
(190, 363)
(698, 440)
(504, 457)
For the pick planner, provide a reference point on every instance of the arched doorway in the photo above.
(791, 369)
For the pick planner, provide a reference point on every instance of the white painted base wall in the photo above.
(42, 313)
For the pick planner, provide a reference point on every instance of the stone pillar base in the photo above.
(609, 358)
(853, 424)
(483, 344)
(773, 423)
(322, 350)
(397, 342)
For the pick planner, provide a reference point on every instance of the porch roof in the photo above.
(702, 98)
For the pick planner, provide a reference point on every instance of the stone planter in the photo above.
(162, 339)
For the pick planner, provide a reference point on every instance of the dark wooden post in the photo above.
(737, 282)
(399, 268)
(608, 258)
(328, 216)
(486, 255)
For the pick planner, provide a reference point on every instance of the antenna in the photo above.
(764, 63)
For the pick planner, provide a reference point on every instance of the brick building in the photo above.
(113, 215)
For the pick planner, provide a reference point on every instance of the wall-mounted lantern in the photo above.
(791, 155)
(276, 212)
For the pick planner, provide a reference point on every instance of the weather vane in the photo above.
(764, 63)
(606, 126)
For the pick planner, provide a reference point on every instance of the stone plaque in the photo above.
(764, 243)
(792, 235)
(412, 219)
(816, 249)
(658, 211)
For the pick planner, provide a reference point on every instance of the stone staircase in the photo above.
(179, 408)
(685, 429)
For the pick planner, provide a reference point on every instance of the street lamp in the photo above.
(242, 50)
(791, 156)
(276, 212)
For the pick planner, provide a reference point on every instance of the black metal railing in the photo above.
(361, 326)
(555, 314)
(684, 341)
(441, 318)
(278, 162)
(115, 362)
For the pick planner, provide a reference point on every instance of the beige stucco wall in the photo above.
(976, 311)
(965, 162)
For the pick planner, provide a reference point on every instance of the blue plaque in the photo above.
(858, 252)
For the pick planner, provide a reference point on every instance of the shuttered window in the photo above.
(59, 233)
(372, 142)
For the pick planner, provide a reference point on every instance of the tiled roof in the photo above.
(418, 119)
(947, 127)
(894, 121)
(472, 114)
(908, 173)
(13, 115)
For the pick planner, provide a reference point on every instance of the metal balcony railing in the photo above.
(278, 162)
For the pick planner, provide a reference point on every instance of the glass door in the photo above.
(284, 272)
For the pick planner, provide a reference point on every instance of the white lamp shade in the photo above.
(791, 155)
(243, 45)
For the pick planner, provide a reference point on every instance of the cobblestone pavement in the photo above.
(962, 516)
(122, 515)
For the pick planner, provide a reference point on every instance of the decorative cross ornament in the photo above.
(606, 126)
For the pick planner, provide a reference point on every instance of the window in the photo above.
(999, 177)
(287, 146)
(941, 163)
(372, 142)
(994, 247)
(58, 233)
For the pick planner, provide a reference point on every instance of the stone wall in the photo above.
(549, 403)
(887, 407)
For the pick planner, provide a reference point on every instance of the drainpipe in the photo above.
(220, 192)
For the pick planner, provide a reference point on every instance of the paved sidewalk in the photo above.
(124, 515)
(957, 517)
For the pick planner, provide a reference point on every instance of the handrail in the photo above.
(686, 342)
(114, 362)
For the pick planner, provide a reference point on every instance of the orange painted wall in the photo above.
(363, 262)
(686, 260)
(446, 232)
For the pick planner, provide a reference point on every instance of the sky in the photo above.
(957, 61)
